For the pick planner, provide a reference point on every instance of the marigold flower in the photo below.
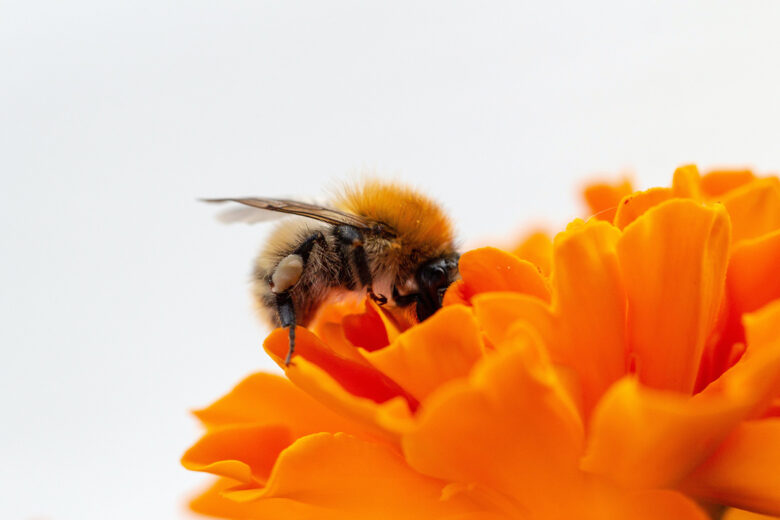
(630, 368)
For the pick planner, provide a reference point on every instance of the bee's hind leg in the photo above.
(351, 238)
(286, 275)
(286, 310)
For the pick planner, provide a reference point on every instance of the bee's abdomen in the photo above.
(308, 278)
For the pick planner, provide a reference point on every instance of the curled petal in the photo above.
(328, 325)
(211, 502)
(489, 269)
(351, 323)
(743, 472)
(356, 376)
(755, 378)
(754, 208)
(267, 399)
(245, 453)
(603, 198)
(719, 182)
(496, 312)
(366, 330)
(648, 438)
(456, 294)
(510, 427)
(589, 307)
(686, 182)
(375, 327)
(442, 348)
(752, 278)
(751, 283)
(537, 249)
(342, 477)
(635, 205)
(673, 261)
(385, 418)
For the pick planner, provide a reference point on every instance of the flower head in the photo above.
(630, 368)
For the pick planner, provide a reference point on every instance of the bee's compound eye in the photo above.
(433, 274)
(433, 278)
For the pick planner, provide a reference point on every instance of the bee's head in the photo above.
(433, 277)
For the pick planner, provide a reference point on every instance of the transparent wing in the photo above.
(260, 210)
(247, 215)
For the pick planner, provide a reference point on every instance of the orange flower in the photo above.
(640, 377)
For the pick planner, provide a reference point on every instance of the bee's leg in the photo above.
(404, 300)
(307, 245)
(285, 306)
(286, 310)
(351, 238)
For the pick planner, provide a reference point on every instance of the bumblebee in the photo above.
(382, 238)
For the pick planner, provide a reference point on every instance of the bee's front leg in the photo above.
(404, 300)
(351, 238)
(286, 274)
(380, 299)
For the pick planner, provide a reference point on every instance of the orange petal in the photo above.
(673, 261)
(510, 427)
(216, 502)
(752, 278)
(661, 504)
(757, 373)
(270, 399)
(395, 320)
(211, 503)
(605, 502)
(344, 325)
(686, 182)
(635, 205)
(718, 182)
(489, 269)
(245, 453)
(741, 514)
(589, 307)
(384, 419)
(366, 329)
(649, 438)
(456, 294)
(496, 312)
(343, 477)
(745, 471)
(442, 348)
(751, 283)
(754, 208)
(603, 198)
(328, 325)
(358, 378)
(537, 249)
(773, 410)
(762, 329)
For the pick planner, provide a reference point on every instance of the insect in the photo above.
(383, 238)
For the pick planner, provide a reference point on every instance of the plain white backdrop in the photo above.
(124, 303)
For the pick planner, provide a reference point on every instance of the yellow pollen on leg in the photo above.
(287, 273)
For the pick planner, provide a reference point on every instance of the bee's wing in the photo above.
(259, 210)
(247, 215)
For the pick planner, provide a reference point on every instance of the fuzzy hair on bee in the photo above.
(382, 238)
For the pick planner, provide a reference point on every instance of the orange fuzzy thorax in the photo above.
(418, 220)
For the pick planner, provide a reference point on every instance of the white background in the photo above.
(124, 304)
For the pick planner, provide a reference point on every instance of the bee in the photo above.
(385, 239)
